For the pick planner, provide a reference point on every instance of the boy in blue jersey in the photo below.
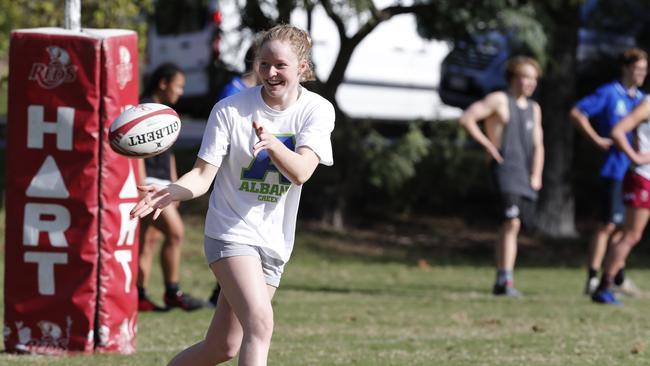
(607, 106)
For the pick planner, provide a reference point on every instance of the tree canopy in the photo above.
(546, 30)
(17, 14)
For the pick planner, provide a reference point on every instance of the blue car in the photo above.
(473, 69)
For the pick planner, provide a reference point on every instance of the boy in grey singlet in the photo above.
(513, 140)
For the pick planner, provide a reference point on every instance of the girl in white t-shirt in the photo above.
(259, 147)
(636, 195)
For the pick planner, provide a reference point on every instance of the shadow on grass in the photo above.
(332, 289)
(415, 288)
(427, 241)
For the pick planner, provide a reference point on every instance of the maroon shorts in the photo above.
(636, 190)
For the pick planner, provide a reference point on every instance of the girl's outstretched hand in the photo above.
(155, 199)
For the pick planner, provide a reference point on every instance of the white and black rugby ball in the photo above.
(144, 130)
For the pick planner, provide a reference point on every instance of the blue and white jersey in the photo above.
(608, 105)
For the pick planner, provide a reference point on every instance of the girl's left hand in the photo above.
(267, 140)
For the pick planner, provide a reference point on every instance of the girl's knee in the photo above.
(226, 352)
(219, 352)
(512, 225)
(261, 325)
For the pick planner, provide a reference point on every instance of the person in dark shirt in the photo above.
(165, 87)
(513, 141)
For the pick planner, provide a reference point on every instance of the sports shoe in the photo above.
(145, 304)
(183, 301)
(212, 300)
(591, 285)
(605, 297)
(628, 288)
(509, 291)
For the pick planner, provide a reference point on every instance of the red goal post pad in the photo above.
(71, 253)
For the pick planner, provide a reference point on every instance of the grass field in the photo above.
(410, 297)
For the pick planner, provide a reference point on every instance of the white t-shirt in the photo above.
(643, 143)
(252, 203)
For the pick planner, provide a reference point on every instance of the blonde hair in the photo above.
(299, 41)
(512, 67)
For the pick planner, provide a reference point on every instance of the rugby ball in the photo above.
(144, 130)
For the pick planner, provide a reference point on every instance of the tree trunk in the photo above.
(556, 214)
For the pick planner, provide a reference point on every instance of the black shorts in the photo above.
(613, 208)
(515, 206)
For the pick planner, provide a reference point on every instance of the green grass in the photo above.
(343, 306)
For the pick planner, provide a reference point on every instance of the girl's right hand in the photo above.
(156, 198)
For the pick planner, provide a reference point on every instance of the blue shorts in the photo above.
(272, 267)
(613, 209)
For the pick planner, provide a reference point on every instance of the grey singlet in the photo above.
(513, 175)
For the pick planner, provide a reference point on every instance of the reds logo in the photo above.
(57, 72)
(124, 68)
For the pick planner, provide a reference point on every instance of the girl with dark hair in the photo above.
(165, 87)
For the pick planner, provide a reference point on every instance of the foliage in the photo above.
(431, 168)
(460, 21)
(527, 34)
(415, 167)
(17, 14)
(453, 174)
(391, 162)
(126, 14)
(454, 20)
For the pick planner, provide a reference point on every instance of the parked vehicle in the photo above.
(476, 67)
(187, 33)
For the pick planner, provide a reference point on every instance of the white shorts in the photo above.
(272, 267)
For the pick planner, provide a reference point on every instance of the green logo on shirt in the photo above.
(253, 177)
(267, 192)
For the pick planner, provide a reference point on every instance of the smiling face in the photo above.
(279, 70)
